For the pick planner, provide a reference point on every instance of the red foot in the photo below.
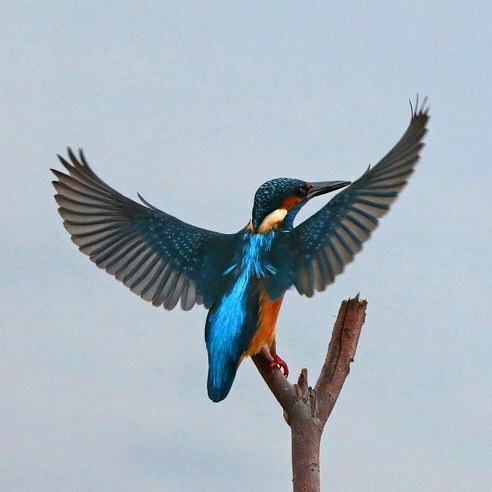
(281, 364)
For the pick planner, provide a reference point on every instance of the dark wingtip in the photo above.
(421, 109)
(61, 159)
(71, 154)
(82, 158)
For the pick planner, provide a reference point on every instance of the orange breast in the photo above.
(265, 333)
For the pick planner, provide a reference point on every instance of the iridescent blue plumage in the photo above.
(241, 278)
(269, 197)
(232, 321)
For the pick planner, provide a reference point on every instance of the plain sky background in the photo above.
(194, 104)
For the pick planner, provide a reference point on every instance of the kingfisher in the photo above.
(239, 278)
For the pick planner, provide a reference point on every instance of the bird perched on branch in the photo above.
(240, 278)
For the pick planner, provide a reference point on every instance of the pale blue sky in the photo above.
(194, 104)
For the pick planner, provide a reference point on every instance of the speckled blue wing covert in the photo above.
(324, 243)
(156, 255)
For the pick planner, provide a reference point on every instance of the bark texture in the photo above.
(307, 409)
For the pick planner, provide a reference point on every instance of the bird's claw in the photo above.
(280, 363)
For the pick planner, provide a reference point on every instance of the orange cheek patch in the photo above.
(288, 203)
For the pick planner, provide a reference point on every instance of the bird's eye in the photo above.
(302, 191)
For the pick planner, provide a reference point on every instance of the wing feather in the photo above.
(329, 239)
(154, 254)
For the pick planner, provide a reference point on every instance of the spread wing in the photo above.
(157, 256)
(323, 244)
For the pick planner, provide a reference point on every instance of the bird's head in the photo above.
(278, 201)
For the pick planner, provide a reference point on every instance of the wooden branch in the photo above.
(341, 352)
(281, 388)
(306, 410)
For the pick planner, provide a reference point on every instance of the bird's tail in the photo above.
(220, 379)
(228, 331)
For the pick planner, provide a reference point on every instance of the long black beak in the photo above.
(325, 187)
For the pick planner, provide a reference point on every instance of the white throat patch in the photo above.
(272, 221)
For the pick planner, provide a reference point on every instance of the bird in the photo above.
(239, 278)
